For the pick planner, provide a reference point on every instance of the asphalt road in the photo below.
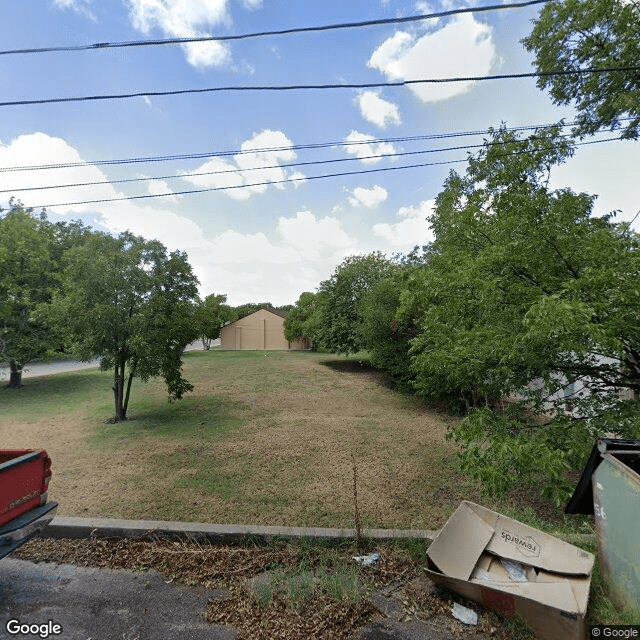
(102, 604)
(34, 369)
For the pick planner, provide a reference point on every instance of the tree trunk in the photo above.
(118, 391)
(132, 373)
(15, 376)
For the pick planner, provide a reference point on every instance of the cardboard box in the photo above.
(547, 587)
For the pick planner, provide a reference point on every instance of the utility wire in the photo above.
(286, 180)
(319, 145)
(186, 176)
(280, 32)
(307, 87)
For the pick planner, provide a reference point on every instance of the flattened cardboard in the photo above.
(553, 600)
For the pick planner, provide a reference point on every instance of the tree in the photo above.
(340, 301)
(211, 316)
(388, 325)
(528, 296)
(132, 305)
(31, 250)
(25, 265)
(576, 35)
(302, 321)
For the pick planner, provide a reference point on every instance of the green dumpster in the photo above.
(610, 490)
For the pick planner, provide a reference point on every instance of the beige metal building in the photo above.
(262, 329)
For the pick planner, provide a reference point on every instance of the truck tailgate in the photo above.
(24, 478)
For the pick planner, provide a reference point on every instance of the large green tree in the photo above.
(340, 301)
(131, 304)
(388, 319)
(574, 35)
(26, 282)
(31, 250)
(529, 297)
(211, 316)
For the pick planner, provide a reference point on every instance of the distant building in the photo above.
(262, 329)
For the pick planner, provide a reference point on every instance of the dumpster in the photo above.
(609, 488)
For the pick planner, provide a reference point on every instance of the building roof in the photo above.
(277, 312)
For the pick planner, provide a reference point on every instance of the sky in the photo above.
(260, 242)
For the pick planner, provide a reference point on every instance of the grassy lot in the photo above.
(265, 438)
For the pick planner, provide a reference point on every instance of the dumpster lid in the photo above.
(582, 499)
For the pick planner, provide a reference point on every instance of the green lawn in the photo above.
(265, 438)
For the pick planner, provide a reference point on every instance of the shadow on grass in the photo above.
(362, 366)
(55, 391)
(207, 417)
(350, 366)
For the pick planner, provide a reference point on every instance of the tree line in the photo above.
(522, 315)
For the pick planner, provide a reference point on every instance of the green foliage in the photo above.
(340, 302)
(211, 315)
(525, 295)
(303, 320)
(386, 331)
(131, 304)
(573, 35)
(30, 262)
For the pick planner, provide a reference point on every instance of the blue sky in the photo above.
(269, 242)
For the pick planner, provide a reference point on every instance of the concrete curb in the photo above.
(70, 527)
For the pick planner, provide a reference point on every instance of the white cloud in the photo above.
(613, 185)
(314, 238)
(41, 149)
(369, 198)
(80, 6)
(412, 230)
(252, 167)
(377, 110)
(274, 264)
(363, 147)
(232, 247)
(463, 47)
(161, 188)
(187, 19)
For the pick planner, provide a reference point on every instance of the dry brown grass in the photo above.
(266, 438)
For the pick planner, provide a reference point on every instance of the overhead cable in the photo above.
(288, 165)
(279, 32)
(295, 147)
(287, 180)
(308, 87)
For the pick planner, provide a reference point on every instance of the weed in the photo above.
(356, 512)
(341, 584)
(263, 594)
(299, 588)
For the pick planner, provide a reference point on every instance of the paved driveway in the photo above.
(102, 604)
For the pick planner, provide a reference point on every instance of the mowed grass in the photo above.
(265, 438)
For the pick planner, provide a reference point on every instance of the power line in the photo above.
(286, 180)
(318, 145)
(320, 87)
(280, 32)
(186, 176)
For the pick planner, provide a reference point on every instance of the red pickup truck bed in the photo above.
(24, 480)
